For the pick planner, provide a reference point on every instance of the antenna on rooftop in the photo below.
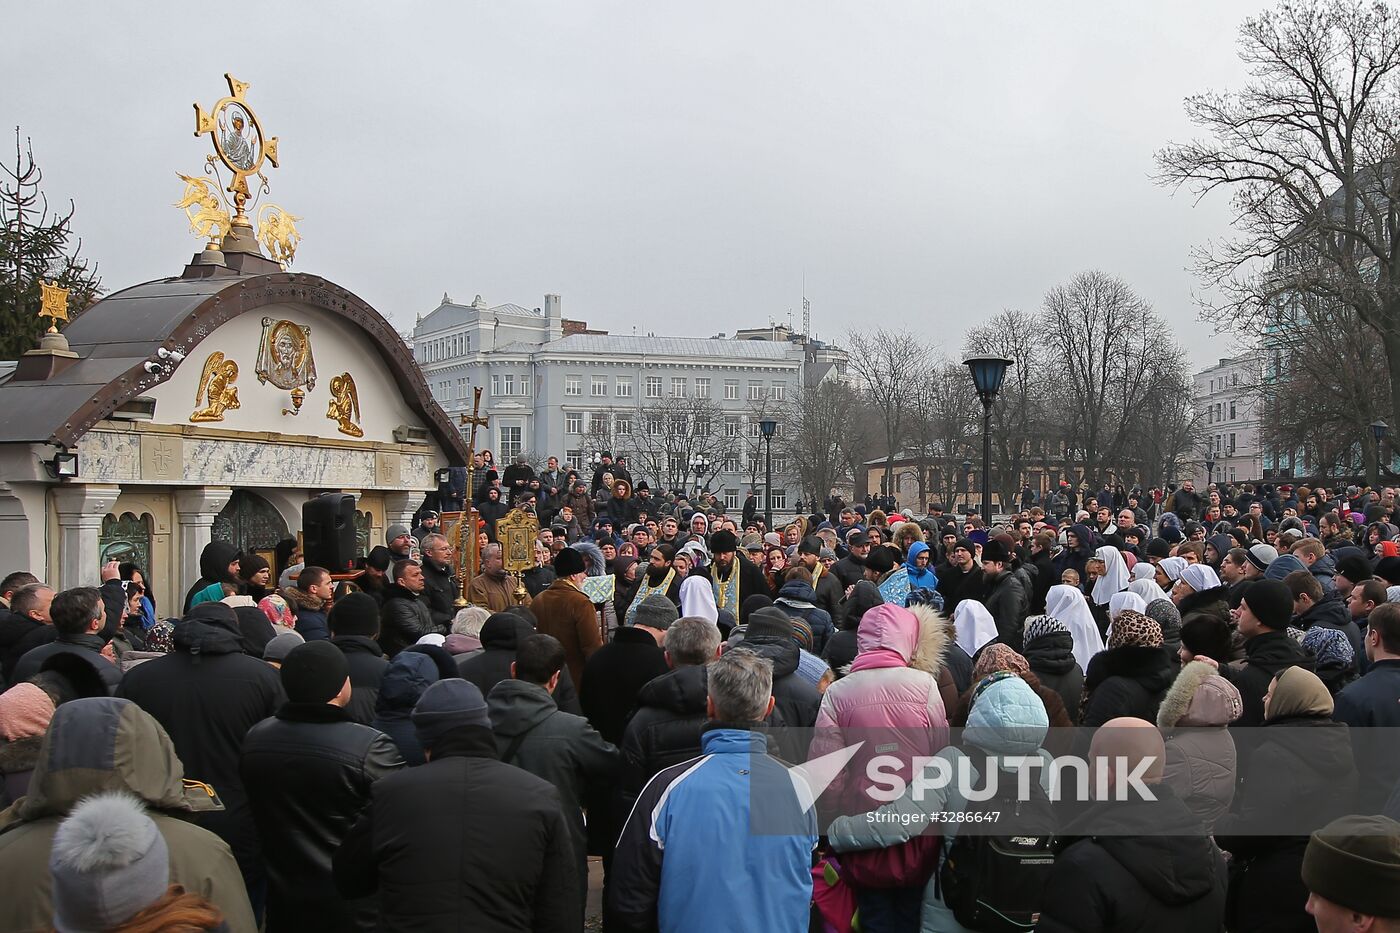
(806, 309)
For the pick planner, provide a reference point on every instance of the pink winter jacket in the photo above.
(889, 701)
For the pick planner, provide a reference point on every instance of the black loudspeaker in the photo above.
(328, 531)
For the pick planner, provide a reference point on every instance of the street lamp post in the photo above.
(1378, 431)
(988, 373)
(1210, 471)
(768, 426)
(701, 466)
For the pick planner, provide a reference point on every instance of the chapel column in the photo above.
(80, 508)
(195, 511)
(399, 508)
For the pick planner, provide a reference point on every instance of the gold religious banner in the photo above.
(344, 409)
(516, 535)
(285, 360)
(216, 388)
(54, 304)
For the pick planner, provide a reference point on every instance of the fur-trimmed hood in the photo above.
(301, 601)
(1199, 697)
(1205, 600)
(935, 634)
(595, 564)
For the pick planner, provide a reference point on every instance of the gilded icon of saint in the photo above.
(216, 388)
(344, 409)
(284, 356)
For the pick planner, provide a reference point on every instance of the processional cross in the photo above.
(468, 545)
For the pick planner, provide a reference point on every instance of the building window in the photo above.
(655, 427)
(525, 386)
(777, 391)
(624, 388)
(731, 463)
(702, 427)
(678, 387)
(680, 425)
(598, 422)
(779, 499)
(573, 459)
(731, 499)
(731, 390)
(1232, 444)
(573, 385)
(755, 429)
(755, 464)
(755, 391)
(1232, 411)
(731, 426)
(495, 386)
(510, 444)
(702, 387)
(653, 386)
(780, 464)
(573, 422)
(622, 424)
(509, 388)
(598, 387)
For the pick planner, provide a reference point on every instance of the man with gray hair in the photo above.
(440, 586)
(491, 588)
(674, 866)
(665, 729)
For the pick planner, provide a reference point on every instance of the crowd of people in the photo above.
(294, 751)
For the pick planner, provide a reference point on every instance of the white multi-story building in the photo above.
(1228, 402)
(686, 410)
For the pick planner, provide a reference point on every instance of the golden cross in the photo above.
(475, 420)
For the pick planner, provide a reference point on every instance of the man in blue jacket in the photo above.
(689, 858)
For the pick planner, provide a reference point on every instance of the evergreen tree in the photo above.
(35, 244)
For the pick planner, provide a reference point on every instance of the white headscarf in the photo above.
(974, 626)
(1172, 567)
(698, 599)
(1121, 602)
(1143, 570)
(1067, 604)
(1200, 577)
(1147, 587)
(1115, 575)
(1392, 594)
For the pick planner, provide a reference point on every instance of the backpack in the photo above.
(994, 884)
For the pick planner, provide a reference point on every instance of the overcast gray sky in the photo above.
(671, 166)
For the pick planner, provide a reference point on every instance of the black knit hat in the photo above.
(810, 545)
(1271, 602)
(568, 562)
(314, 672)
(881, 559)
(355, 614)
(1159, 547)
(1355, 568)
(995, 550)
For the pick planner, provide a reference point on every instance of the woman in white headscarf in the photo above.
(1169, 571)
(1143, 570)
(1068, 605)
(974, 626)
(1121, 602)
(1147, 587)
(698, 599)
(1114, 578)
(1195, 578)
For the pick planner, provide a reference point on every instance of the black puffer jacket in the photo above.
(403, 620)
(464, 842)
(308, 772)
(664, 731)
(1215, 601)
(797, 701)
(1129, 680)
(1131, 877)
(367, 666)
(440, 590)
(499, 636)
(207, 694)
(614, 676)
(1264, 656)
(1051, 657)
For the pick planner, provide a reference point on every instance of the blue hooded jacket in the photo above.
(408, 676)
(920, 578)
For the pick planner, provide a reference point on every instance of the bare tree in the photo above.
(1307, 149)
(824, 439)
(886, 365)
(666, 439)
(1108, 344)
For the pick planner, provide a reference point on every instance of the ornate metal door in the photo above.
(250, 522)
(126, 538)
